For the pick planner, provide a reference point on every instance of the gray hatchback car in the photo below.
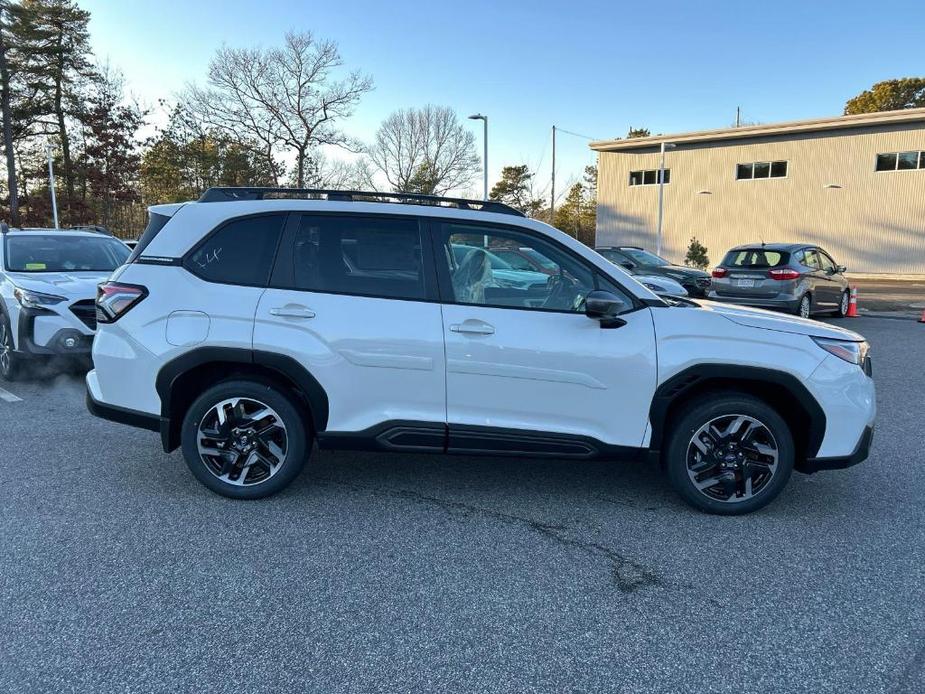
(794, 277)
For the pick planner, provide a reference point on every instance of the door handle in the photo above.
(292, 312)
(473, 327)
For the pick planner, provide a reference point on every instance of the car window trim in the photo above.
(445, 286)
(282, 276)
(186, 259)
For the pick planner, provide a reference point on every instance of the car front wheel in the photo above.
(10, 366)
(842, 309)
(245, 439)
(729, 454)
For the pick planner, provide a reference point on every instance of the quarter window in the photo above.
(365, 256)
(761, 169)
(648, 177)
(240, 252)
(900, 161)
(475, 274)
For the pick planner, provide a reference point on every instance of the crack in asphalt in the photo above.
(628, 575)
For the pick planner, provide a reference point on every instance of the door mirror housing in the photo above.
(841, 268)
(604, 306)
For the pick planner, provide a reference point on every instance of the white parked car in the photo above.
(48, 280)
(248, 326)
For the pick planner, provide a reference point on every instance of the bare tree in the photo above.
(280, 98)
(425, 150)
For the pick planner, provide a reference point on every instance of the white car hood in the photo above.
(781, 322)
(71, 285)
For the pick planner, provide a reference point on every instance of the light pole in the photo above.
(51, 183)
(661, 197)
(484, 119)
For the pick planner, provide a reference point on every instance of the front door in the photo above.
(526, 370)
(352, 298)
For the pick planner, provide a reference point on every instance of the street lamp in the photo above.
(484, 119)
(661, 197)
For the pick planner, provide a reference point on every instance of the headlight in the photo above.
(30, 299)
(851, 352)
(654, 287)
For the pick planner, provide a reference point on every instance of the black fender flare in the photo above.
(694, 377)
(286, 367)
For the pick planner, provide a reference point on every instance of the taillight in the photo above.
(114, 299)
(720, 272)
(783, 273)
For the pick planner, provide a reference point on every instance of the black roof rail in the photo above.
(228, 194)
(99, 229)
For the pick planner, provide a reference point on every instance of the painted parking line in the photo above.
(8, 396)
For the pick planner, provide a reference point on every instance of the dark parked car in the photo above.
(642, 262)
(795, 277)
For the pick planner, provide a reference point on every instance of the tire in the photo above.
(771, 437)
(805, 306)
(220, 463)
(842, 309)
(11, 366)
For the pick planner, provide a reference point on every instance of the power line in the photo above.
(569, 132)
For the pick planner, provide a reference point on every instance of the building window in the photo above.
(900, 161)
(761, 169)
(648, 178)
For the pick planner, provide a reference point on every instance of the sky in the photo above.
(592, 68)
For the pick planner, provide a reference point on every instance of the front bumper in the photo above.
(859, 455)
(66, 341)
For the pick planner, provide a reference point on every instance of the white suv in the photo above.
(48, 280)
(252, 323)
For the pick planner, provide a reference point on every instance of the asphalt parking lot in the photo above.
(118, 572)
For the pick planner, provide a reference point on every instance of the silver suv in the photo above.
(794, 277)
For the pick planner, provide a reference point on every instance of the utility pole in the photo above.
(552, 195)
(661, 197)
(738, 116)
(51, 183)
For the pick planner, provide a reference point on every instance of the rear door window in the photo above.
(373, 256)
(240, 251)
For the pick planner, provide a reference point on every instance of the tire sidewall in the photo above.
(299, 443)
(14, 370)
(703, 411)
(808, 299)
(843, 304)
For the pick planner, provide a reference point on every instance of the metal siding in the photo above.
(874, 223)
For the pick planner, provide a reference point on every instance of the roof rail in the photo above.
(228, 194)
(99, 229)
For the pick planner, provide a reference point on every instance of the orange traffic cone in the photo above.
(853, 304)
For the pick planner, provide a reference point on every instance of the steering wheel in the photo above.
(563, 292)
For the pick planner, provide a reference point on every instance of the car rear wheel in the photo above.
(842, 309)
(10, 362)
(245, 439)
(805, 307)
(731, 453)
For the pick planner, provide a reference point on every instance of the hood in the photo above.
(73, 286)
(684, 270)
(781, 322)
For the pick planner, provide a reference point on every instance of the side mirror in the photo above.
(841, 268)
(604, 307)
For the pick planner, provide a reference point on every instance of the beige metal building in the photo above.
(855, 185)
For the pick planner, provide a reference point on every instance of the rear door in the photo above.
(353, 299)
(524, 361)
(818, 282)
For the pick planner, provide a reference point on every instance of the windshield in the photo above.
(644, 257)
(62, 253)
